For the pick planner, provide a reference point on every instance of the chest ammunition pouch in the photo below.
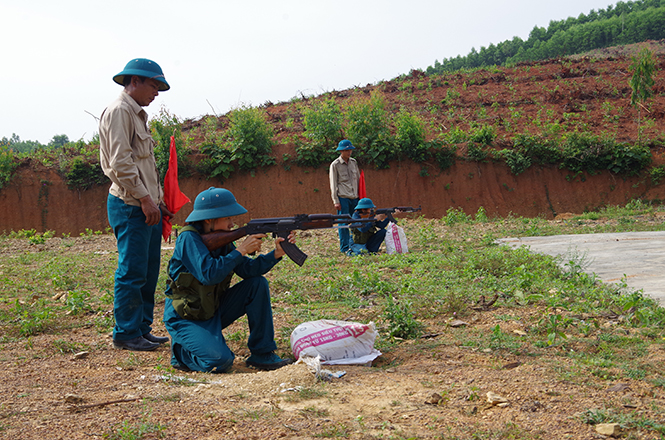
(362, 237)
(193, 300)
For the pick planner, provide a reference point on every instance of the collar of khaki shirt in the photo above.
(136, 108)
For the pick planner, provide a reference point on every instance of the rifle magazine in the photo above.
(294, 253)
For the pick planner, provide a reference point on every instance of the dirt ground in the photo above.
(414, 390)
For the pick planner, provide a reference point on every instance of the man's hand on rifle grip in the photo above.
(251, 244)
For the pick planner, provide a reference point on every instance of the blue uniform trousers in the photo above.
(200, 345)
(139, 251)
(347, 206)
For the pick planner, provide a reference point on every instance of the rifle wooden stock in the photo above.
(217, 239)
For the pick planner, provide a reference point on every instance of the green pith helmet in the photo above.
(145, 68)
(215, 203)
(365, 204)
(345, 145)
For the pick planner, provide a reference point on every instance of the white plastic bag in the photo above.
(395, 239)
(336, 342)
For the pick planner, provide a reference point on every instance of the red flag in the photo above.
(361, 186)
(174, 199)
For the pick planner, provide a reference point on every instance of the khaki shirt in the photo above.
(126, 152)
(344, 179)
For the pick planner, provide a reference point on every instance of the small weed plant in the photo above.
(136, 431)
(400, 319)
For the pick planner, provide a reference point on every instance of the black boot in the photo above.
(136, 344)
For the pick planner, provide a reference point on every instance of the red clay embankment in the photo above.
(38, 198)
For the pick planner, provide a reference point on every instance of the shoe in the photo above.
(267, 361)
(156, 339)
(176, 364)
(136, 344)
(181, 367)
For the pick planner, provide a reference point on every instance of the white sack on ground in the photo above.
(336, 342)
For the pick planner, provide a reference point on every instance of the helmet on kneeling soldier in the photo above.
(215, 203)
(365, 203)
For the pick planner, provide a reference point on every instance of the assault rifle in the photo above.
(281, 227)
(389, 211)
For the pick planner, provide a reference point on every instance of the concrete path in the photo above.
(640, 256)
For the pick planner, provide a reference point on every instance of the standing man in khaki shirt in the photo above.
(135, 202)
(344, 176)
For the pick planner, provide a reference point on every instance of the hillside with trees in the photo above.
(626, 23)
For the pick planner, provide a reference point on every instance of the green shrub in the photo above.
(516, 160)
(218, 160)
(629, 159)
(657, 174)
(312, 155)
(367, 128)
(456, 216)
(79, 165)
(481, 216)
(456, 136)
(84, 174)
(592, 153)
(162, 127)
(250, 138)
(323, 122)
(483, 135)
(475, 152)
(245, 145)
(211, 133)
(410, 136)
(217, 164)
(8, 164)
(584, 152)
(445, 155)
(539, 149)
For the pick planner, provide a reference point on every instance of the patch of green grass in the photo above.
(254, 413)
(67, 347)
(45, 291)
(627, 420)
(335, 430)
(312, 411)
(500, 341)
(658, 381)
(132, 361)
(131, 431)
(32, 319)
(307, 393)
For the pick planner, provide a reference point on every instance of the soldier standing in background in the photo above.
(344, 176)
